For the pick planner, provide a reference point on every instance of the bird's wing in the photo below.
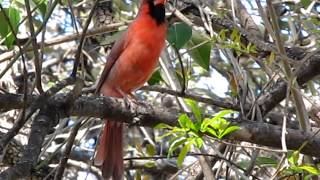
(115, 52)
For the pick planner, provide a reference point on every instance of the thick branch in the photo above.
(278, 93)
(254, 132)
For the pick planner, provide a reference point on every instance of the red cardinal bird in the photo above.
(130, 64)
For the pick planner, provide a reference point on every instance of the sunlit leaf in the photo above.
(229, 130)
(199, 142)
(310, 169)
(293, 157)
(164, 135)
(223, 113)
(186, 122)
(174, 145)
(205, 123)
(212, 132)
(162, 126)
(183, 154)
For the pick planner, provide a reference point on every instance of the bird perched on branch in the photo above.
(129, 65)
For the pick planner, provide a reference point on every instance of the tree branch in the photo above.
(45, 120)
(278, 93)
(100, 107)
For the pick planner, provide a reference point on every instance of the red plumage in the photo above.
(130, 64)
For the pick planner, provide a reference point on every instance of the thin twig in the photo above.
(16, 56)
(184, 82)
(223, 103)
(35, 47)
(65, 156)
(297, 98)
(62, 39)
(82, 41)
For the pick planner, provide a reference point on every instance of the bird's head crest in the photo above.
(155, 8)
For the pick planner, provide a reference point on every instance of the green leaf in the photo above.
(179, 130)
(205, 123)
(155, 78)
(175, 138)
(151, 150)
(251, 48)
(235, 35)
(200, 50)
(198, 142)
(294, 170)
(164, 135)
(223, 113)
(162, 126)
(212, 132)
(293, 157)
(193, 134)
(5, 30)
(195, 109)
(150, 164)
(229, 130)
(174, 145)
(308, 177)
(305, 3)
(218, 126)
(243, 163)
(183, 154)
(179, 34)
(41, 5)
(310, 169)
(222, 34)
(185, 122)
(266, 161)
(217, 122)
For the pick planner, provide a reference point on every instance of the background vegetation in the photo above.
(236, 94)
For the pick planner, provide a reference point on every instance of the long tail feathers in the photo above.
(109, 153)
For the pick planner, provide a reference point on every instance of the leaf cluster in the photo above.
(191, 133)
